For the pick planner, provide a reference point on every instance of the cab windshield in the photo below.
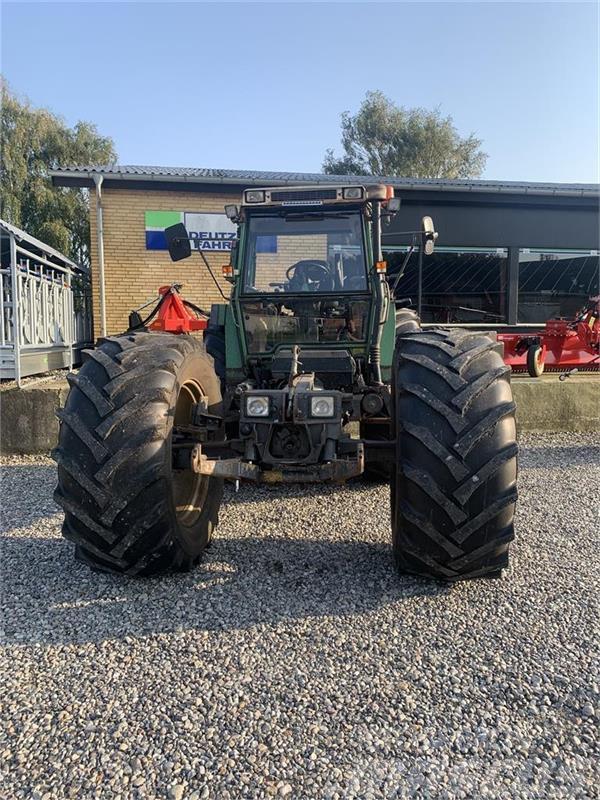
(299, 252)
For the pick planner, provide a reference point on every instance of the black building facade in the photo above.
(503, 257)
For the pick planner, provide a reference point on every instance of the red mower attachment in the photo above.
(171, 312)
(562, 346)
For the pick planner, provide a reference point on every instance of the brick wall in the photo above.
(132, 273)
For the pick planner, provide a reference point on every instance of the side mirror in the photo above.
(428, 235)
(178, 242)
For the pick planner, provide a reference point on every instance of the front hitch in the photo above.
(234, 469)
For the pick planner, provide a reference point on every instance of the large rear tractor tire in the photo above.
(453, 489)
(129, 507)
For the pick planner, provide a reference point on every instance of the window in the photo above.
(460, 285)
(298, 253)
(555, 283)
(284, 321)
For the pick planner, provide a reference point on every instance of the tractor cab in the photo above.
(303, 270)
(307, 270)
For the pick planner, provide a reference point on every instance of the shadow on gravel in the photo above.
(51, 598)
(250, 493)
(244, 581)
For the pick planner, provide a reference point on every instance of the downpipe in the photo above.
(98, 180)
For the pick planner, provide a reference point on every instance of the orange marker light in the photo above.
(381, 266)
(227, 270)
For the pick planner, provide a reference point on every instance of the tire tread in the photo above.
(113, 415)
(454, 488)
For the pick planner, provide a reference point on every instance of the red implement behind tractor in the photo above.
(562, 346)
(171, 314)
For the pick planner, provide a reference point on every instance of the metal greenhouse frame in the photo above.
(45, 307)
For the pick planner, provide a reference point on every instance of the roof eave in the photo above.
(130, 178)
(86, 178)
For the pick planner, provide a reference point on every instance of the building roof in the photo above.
(83, 174)
(21, 236)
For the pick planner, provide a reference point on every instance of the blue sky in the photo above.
(262, 85)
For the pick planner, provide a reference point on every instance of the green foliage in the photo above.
(386, 139)
(34, 141)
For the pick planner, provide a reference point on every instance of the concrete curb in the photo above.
(548, 404)
(28, 422)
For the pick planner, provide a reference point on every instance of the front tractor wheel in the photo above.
(131, 505)
(453, 489)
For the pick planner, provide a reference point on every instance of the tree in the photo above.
(34, 141)
(386, 139)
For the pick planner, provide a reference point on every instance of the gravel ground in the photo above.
(295, 662)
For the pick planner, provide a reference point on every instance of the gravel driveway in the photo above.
(295, 661)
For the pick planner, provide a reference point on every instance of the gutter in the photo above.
(98, 179)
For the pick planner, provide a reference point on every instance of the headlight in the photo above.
(322, 406)
(257, 406)
(352, 193)
(254, 196)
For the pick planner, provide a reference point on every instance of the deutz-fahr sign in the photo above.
(212, 232)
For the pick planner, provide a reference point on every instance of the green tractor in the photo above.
(308, 373)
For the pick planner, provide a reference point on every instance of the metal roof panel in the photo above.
(255, 177)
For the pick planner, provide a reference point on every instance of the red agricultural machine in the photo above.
(563, 345)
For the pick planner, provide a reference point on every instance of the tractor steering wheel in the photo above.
(308, 271)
